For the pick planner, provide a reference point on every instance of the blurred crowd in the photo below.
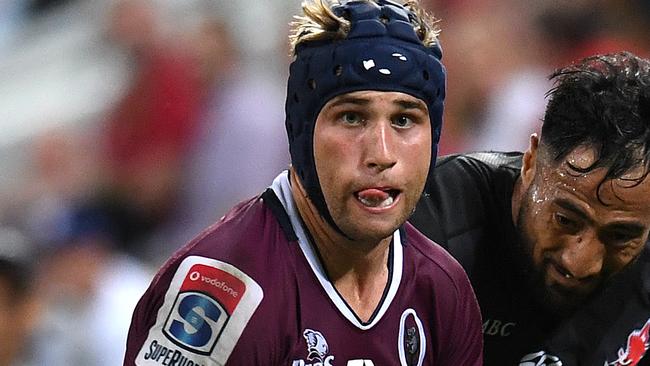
(131, 125)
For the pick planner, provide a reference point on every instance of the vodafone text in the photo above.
(221, 285)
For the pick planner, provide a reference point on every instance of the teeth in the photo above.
(377, 203)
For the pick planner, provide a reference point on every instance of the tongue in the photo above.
(373, 194)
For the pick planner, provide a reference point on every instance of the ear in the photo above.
(529, 163)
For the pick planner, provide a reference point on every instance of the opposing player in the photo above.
(555, 239)
(321, 269)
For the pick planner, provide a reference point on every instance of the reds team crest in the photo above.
(411, 345)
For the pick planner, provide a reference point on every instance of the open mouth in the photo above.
(377, 197)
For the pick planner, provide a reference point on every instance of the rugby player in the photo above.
(322, 268)
(555, 239)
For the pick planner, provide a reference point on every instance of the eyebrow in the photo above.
(412, 104)
(402, 103)
(630, 227)
(349, 100)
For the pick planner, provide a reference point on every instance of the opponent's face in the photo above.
(372, 152)
(574, 240)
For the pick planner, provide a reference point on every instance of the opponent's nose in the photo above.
(583, 255)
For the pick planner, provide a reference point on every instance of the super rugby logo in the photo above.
(206, 300)
(207, 306)
(637, 345)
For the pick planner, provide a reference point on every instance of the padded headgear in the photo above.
(382, 52)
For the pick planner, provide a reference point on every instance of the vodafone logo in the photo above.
(221, 285)
(195, 276)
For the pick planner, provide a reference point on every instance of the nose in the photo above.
(380, 147)
(583, 255)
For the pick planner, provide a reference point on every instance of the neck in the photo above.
(357, 269)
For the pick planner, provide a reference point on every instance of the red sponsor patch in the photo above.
(207, 306)
(218, 284)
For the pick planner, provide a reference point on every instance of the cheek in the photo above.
(537, 238)
(331, 154)
(422, 156)
(542, 242)
(324, 148)
(325, 161)
(417, 178)
(417, 158)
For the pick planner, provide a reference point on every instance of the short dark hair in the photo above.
(601, 101)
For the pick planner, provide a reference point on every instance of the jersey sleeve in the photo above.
(192, 314)
(466, 337)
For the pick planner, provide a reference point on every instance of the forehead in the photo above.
(375, 98)
(619, 196)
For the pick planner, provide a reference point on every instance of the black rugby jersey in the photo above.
(468, 211)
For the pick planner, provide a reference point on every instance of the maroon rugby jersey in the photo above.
(252, 291)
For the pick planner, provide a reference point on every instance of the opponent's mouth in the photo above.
(377, 197)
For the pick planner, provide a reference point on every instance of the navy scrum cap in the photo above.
(381, 52)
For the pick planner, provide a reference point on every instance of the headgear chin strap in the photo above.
(381, 52)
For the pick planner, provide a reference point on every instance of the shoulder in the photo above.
(465, 193)
(246, 237)
(475, 168)
(436, 263)
(243, 238)
(454, 303)
(214, 284)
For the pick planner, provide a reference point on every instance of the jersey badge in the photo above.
(206, 308)
(317, 350)
(411, 340)
(540, 358)
(637, 345)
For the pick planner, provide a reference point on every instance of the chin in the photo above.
(558, 300)
(371, 227)
(372, 234)
(371, 231)
(561, 306)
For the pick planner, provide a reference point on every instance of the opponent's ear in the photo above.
(529, 163)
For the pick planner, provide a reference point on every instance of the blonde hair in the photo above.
(320, 23)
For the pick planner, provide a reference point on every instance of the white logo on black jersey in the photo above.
(540, 358)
